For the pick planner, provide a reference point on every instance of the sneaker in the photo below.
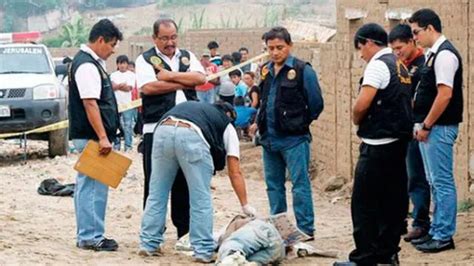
(421, 240)
(435, 246)
(236, 258)
(104, 245)
(145, 253)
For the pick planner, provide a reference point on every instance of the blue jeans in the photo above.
(418, 187)
(437, 154)
(175, 147)
(126, 122)
(296, 160)
(259, 241)
(206, 96)
(90, 202)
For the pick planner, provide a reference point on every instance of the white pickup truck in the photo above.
(31, 95)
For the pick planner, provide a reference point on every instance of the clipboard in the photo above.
(108, 169)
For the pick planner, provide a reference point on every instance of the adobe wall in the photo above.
(336, 145)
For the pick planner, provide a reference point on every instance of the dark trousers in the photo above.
(379, 202)
(418, 187)
(179, 191)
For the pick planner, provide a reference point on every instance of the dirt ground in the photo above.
(37, 229)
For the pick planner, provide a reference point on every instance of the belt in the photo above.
(171, 122)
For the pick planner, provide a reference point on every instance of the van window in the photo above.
(24, 60)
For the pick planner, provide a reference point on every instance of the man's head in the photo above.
(205, 57)
(244, 53)
(165, 36)
(235, 76)
(239, 101)
(369, 39)
(213, 46)
(426, 27)
(227, 61)
(236, 57)
(103, 38)
(227, 108)
(122, 63)
(401, 41)
(279, 44)
(249, 78)
(131, 66)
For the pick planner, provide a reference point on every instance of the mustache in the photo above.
(170, 46)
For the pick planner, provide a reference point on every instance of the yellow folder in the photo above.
(108, 169)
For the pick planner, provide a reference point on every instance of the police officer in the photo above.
(291, 100)
(93, 115)
(199, 138)
(438, 111)
(405, 48)
(167, 76)
(383, 115)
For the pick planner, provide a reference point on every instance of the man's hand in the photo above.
(253, 129)
(422, 135)
(249, 210)
(104, 146)
(165, 75)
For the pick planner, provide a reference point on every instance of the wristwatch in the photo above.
(424, 127)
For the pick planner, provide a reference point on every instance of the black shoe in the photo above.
(103, 245)
(415, 233)
(393, 261)
(422, 239)
(434, 246)
(344, 263)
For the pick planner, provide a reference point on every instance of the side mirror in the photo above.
(60, 70)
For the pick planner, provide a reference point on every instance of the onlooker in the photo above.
(438, 111)
(227, 87)
(123, 82)
(206, 92)
(215, 57)
(236, 58)
(252, 67)
(253, 92)
(198, 138)
(405, 48)
(244, 118)
(93, 115)
(166, 76)
(291, 100)
(383, 115)
(240, 87)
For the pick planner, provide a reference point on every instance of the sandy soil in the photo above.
(37, 229)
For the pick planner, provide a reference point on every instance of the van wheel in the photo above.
(58, 142)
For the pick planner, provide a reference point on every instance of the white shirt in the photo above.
(377, 75)
(128, 77)
(145, 73)
(446, 64)
(88, 80)
(230, 137)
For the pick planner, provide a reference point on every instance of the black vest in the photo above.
(390, 113)
(79, 126)
(427, 91)
(292, 115)
(154, 106)
(212, 123)
(414, 71)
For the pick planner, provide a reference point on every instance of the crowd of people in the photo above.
(407, 115)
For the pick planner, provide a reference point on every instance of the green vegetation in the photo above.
(24, 8)
(72, 34)
(197, 20)
(465, 206)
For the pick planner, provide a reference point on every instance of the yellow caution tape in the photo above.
(126, 107)
(227, 71)
(65, 123)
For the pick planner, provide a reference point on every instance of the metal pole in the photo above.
(25, 156)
